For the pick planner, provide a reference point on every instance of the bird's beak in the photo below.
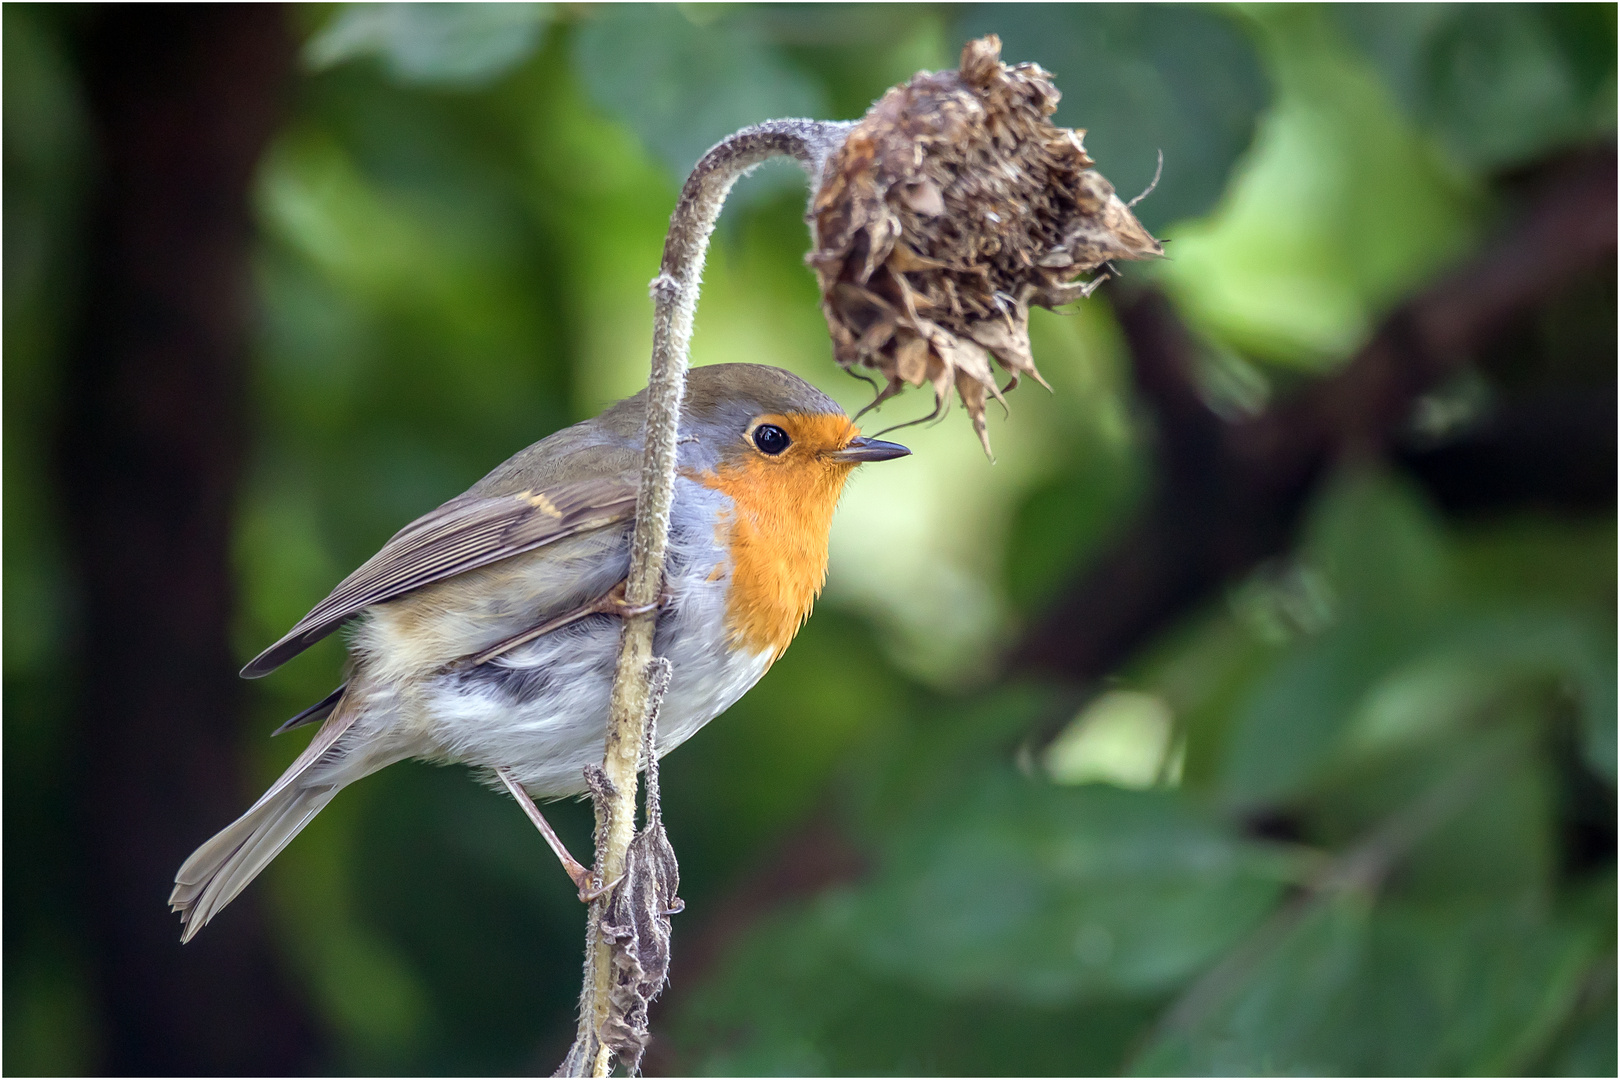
(862, 449)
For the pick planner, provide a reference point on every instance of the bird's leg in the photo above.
(597, 606)
(580, 874)
(611, 603)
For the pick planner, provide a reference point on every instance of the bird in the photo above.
(486, 631)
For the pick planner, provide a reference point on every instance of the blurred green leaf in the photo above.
(943, 747)
(1383, 558)
(1500, 84)
(1538, 559)
(1296, 715)
(1340, 209)
(1123, 738)
(1368, 688)
(1411, 656)
(682, 87)
(790, 1000)
(454, 45)
(1589, 1049)
(1380, 544)
(1261, 1021)
(1141, 78)
(1462, 990)
(1019, 889)
(1494, 834)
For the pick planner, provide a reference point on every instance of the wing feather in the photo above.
(463, 534)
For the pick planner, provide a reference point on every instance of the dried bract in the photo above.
(636, 922)
(953, 206)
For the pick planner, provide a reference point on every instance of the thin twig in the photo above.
(675, 294)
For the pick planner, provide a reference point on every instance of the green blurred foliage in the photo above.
(1449, 992)
(433, 44)
(1500, 83)
(1362, 854)
(1342, 207)
(1421, 917)
(1143, 79)
(694, 84)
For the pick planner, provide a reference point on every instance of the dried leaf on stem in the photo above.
(636, 923)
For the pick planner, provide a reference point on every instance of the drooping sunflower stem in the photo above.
(937, 220)
(675, 295)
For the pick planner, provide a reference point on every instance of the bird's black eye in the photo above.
(771, 439)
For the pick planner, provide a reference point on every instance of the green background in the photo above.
(456, 226)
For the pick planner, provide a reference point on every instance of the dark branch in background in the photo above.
(1554, 450)
(1230, 495)
(183, 100)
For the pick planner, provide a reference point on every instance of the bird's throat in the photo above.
(776, 533)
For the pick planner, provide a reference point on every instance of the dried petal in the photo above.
(911, 361)
(924, 197)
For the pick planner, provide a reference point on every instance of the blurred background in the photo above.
(1254, 712)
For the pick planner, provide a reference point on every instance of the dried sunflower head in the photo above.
(953, 206)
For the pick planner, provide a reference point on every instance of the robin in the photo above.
(486, 632)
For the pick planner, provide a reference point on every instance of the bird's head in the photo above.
(770, 425)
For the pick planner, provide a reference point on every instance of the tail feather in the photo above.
(222, 867)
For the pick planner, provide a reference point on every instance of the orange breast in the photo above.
(777, 536)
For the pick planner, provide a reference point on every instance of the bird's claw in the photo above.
(589, 893)
(614, 602)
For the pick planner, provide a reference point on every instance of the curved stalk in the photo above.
(675, 294)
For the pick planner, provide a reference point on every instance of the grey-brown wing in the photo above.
(461, 535)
